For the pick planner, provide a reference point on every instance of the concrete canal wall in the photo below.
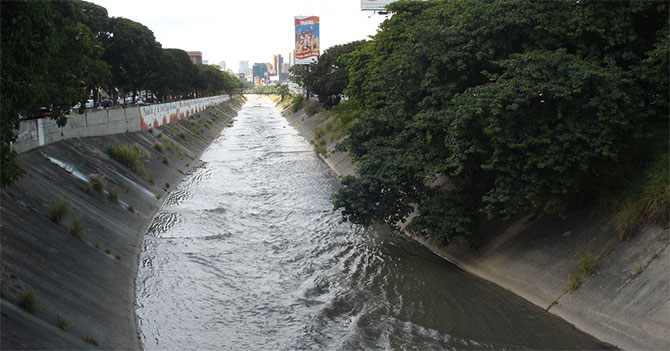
(73, 287)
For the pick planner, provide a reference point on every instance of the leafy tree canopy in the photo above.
(518, 104)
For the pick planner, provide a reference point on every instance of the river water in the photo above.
(247, 253)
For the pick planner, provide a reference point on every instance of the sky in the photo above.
(248, 30)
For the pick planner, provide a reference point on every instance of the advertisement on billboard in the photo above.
(375, 5)
(306, 39)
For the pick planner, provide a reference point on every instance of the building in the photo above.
(259, 71)
(291, 58)
(195, 56)
(243, 67)
(278, 62)
(222, 66)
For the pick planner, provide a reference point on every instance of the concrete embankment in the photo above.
(71, 285)
(624, 302)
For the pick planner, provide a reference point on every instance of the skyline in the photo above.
(251, 31)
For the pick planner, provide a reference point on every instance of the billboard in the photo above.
(375, 5)
(307, 43)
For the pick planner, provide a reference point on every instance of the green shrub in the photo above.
(166, 160)
(160, 135)
(297, 102)
(647, 200)
(159, 147)
(62, 322)
(58, 210)
(118, 256)
(131, 208)
(28, 300)
(108, 251)
(131, 156)
(151, 130)
(587, 263)
(76, 227)
(95, 184)
(91, 340)
(182, 135)
(113, 195)
(312, 107)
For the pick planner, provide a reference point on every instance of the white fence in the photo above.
(40, 132)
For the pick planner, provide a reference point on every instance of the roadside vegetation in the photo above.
(528, 107)
(57, 211)
(81, 49)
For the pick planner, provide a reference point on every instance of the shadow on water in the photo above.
(247, 253)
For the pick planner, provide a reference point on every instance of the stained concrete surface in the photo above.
(89, 281)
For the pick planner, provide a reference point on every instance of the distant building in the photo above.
(278, 63)
(268, 66)
(222, 66)
(205, 62)
(259, 71)
(291, 58)
(195, 56)
(243, 67)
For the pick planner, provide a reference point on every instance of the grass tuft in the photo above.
(159, 147)
(166, 160)
(91, 340)
(113, 195)
(131, 156)
(76, 227)
(131, 208)
(62, 322)
(95, 184)
(58, 210)
(28, 300)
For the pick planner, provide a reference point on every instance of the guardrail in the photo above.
(40, 132)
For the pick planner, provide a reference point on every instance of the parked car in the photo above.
(106, 103)
(143, 103)
(43, 112)
(89, 103)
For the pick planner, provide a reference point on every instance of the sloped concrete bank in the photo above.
(80, 280)
(624, 302)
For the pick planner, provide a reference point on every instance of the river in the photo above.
(247, 253)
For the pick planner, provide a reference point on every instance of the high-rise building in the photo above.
(244, 67)
(291, 58)
(222, 66)
(278, 62)
(195, 56)
(259, 70)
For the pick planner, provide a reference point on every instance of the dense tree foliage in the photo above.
(328, 76)
(48, 59)
(520, 104)
(55, 53)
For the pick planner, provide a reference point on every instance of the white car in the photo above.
(89, 103)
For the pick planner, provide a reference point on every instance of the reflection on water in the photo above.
(247, 253)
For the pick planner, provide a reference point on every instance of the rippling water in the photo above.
(248, 254)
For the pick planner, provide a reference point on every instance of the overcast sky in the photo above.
(249, 30)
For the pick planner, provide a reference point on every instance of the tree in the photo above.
(520, 104)
(328, 77)
(176, 72)
(48, 59)
(133, 53)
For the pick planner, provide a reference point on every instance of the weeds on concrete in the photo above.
(58, 210)
(160, 135)
(108, 251)
(28, 300)
(575, 281)
(91, 340)
(159, 147)
(151, 130)
(62, 322)
(587, 263)
(312, 107)
(131, 208)
(113, 195)
(131, 156)
(182, 135)
(76, 227)
(118, 256)
(166, 160)
(95, 184)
